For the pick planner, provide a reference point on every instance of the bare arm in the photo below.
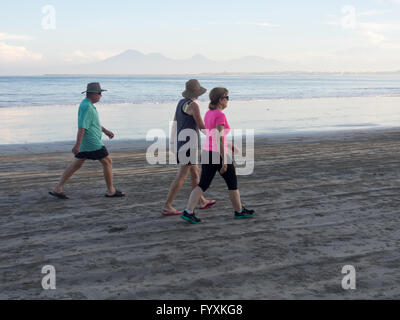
(173, 131)
(234, 149)
(108, 133)
(195, 112)
(79, 138)
(173, 135)
(221, 129)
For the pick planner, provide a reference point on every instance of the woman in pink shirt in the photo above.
(215, 158)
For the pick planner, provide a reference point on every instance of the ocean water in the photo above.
(66, 90)
(44, 109)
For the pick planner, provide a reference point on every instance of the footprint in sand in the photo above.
(116, 229)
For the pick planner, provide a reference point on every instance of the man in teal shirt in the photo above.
(88, 119)
(89, 145)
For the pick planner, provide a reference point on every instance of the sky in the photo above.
(308, 35)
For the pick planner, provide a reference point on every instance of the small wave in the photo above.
(354, 125)
(14, 104)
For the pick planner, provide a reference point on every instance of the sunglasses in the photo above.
(227, 98)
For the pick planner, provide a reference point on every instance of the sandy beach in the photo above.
(322, 202)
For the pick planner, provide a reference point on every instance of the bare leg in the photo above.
(235, 199)
(194, 198)
(175, 187)
(108, 175)
(74, 167)
(195, 177)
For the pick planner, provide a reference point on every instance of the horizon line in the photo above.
(205, 73)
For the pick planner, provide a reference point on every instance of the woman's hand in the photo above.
(234, 149)
(224, 169)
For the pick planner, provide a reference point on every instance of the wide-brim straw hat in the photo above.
(94, 87)
(193, 89)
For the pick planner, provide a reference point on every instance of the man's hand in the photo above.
(109, 134)
(75, 149)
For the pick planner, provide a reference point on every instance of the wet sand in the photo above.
(322, 202)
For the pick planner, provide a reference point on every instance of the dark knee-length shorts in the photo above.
(93, 155)
(211, 168)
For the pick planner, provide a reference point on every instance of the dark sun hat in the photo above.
(193, 89)
(93, 87)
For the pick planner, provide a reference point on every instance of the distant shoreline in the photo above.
(272, 73)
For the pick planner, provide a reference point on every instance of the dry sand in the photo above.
(322, 203)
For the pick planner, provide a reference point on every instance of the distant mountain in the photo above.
(135, 62)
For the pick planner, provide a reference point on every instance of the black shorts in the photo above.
(93, 155)
(209, 170)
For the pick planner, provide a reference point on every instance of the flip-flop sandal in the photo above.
(61, 195)
(171, 213)
(117, 194)
(213, 203)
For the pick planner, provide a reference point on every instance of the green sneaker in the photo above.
(190, 217)
(245, 214)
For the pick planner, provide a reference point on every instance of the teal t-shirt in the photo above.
(88, 119)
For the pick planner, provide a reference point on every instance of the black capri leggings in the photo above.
(209, 170)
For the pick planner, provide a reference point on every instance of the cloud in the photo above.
(376, 33)
(389, 1)
(80, 56)
(372, 43)
(13, 54)
(6, 36)
(374, 38)
(260, 24)
(370, 13)
(267, 25)
(380, 27)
